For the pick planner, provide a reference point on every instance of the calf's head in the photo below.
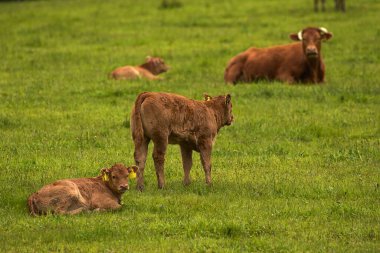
(156, 65)
(117, 177)
(224, 105)
(312, 38)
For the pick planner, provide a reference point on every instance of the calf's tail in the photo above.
(136, 122)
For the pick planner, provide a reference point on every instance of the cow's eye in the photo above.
(113, 177)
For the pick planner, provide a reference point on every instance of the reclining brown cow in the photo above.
(168, 118)
(72, 196)
(299, 62)
(150, 70)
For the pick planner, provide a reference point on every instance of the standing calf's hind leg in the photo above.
(187, 162)
(140, 154)
(159, 151)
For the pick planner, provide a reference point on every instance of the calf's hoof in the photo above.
(186, 182)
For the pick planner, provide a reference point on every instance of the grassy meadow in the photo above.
(298, 171)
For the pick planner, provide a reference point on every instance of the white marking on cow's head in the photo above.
(323, 30)
(300, 35)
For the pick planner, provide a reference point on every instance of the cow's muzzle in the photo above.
(311, 52)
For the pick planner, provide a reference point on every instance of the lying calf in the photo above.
(72, 196)
(150, 70)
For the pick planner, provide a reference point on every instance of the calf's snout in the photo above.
(124, 187)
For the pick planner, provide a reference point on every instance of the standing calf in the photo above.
(299, 62)
(72, 196)
(168, 118)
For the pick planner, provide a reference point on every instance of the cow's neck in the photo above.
(314, 66)
(148, 66)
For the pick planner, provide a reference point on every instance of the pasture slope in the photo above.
(298, 171)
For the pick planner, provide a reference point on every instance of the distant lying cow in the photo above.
(299, 62)
(150, 70)
(72, 196)
(168, 118)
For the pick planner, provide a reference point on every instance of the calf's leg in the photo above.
(205, 152)
(187, 162)
(159, 150)
(141, 150)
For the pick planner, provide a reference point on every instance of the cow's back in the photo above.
(269, 63)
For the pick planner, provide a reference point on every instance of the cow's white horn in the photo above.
(300, 35)
(324, 30)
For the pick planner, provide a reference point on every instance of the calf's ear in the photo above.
(207, 97)
(104, 171)
(133, 168)
(228, 99)
(105, 174)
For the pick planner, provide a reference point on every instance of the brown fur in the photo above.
(168, 118)
(72, 196)
(150, 70)
(297, 62)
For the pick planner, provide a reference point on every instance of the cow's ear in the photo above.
(326, 36)
(148, 58)
(228, 99)
(133, 168)
(207, 97)
(296, 36)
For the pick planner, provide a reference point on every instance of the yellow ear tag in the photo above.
(132, 175)
(208, 98)
(105, 177)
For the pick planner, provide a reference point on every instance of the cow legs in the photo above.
(316, 5)
(187, 162)
(340, 5)
(323, 5)
(287, 78)
(159, 151)
(205, 152)
(140, 154)
(316, 2)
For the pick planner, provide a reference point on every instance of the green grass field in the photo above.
(298, 171)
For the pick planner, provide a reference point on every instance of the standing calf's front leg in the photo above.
(205, 152)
